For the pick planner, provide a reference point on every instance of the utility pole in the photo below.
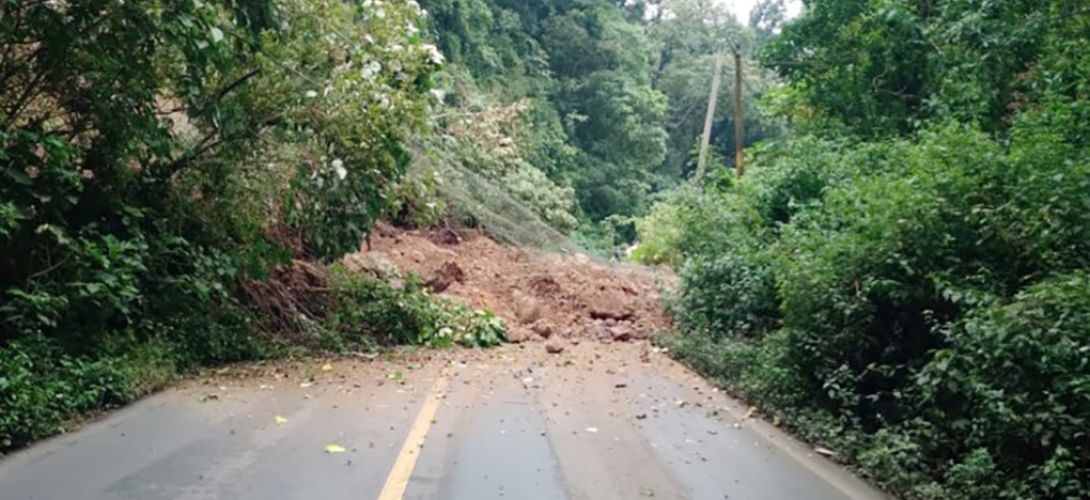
(709, 117)
(739, 114)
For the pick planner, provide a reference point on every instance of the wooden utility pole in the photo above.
(739, 115)
(709, 117)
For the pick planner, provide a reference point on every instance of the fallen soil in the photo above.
(540, 295)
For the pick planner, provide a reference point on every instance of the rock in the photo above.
(527, 309)
(553, 347)
(620, 333)
(445, 236)
(544, 330)
(373, 264)
(609, 312)
(517, 335)
(447, 274)
(611, 322)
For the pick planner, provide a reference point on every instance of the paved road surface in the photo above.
(593, 422)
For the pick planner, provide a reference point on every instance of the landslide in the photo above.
(540, 295)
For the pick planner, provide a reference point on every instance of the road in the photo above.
(596, 421)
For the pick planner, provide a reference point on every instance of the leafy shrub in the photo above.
(1012, 387)
(370, 310)
(922, 314)
(174, 153)
(732, 294)
(41, 386)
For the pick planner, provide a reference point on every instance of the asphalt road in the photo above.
(593, 422)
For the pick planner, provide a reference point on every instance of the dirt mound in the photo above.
(540, 295)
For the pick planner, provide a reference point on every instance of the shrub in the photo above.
(918, 306)
(1011, 390)
(367, 310)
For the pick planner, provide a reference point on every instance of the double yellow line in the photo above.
(398, 479)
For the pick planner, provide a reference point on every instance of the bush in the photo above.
(1011, 390)
(367, 310)
(42, 387)
(180, 154)
(918, 306)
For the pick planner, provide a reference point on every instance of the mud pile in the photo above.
(540, 295)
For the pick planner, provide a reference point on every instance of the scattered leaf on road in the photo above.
(280, 420)
(334, 448)
(327, 367)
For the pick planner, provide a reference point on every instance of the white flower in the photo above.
(380, 13)
(370, 70)
(338, 167)
(434, 54)
(57, 5)
(311, 94)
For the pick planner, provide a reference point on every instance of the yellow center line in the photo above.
(398, 479)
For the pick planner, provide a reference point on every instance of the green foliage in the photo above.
(41, 386)
(157, 159)
(371, 310)
(897, 294)
(882, 296)
(686, 36)
(906, 281)
(883, 68)
(591, 119)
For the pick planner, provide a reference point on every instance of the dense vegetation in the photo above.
(167, 169)
(904, 277)
(176, 177)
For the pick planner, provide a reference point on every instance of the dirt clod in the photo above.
(544, 330)
(446, 275)
(553, 347)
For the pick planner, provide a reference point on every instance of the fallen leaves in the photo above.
(280, 420)
(334, 448)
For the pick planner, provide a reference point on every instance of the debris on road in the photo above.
(541, 296)
(334, 448)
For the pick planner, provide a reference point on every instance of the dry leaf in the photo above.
(334, 448)
(327, 367)
(280, 420)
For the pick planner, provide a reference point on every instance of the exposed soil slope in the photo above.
(540, 295)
